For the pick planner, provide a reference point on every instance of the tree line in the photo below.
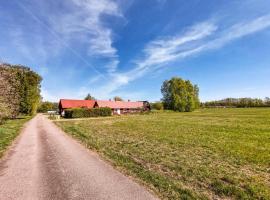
(238, 102)
(19, 91)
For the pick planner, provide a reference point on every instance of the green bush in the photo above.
(85, 112)
(157, 106)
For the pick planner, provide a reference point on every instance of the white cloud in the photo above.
(165, 50)
(79, 22)
(199, 38)
(84, 22)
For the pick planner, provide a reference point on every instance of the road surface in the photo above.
(45, 163)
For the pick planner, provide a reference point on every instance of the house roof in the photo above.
(119, 104)
(70, 103)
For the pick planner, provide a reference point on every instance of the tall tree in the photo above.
(29, 90)
(89, 97)
(19, 89)
(9, 91)
(180, 95)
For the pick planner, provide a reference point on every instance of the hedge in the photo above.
(86, 112)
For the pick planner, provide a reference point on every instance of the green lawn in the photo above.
(8, 132)
(206, 154)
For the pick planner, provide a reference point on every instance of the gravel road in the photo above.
(45, 163)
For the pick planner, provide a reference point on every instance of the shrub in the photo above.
(86, 112)
(157, 106)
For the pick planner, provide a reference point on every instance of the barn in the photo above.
(71, 103)
(124, 107)
(118, 107)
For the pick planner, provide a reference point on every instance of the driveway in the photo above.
(45, 163)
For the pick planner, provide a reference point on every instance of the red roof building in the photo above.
(118, 107)
(70, 103)
(122, 107)
(119, 104)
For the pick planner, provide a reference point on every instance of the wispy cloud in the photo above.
(198, 38)
(85, 19)
(165, 50)
(79, 22)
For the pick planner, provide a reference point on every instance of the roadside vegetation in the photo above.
(9, 131)
(205, 154)
(19, 91)
(19, 96)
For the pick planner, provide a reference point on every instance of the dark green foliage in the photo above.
(84, 112)
(157, 106)
(47, 106)
(89, 97)
(9, 95)
(238, 102)
(19, 90)
(29, 90)
(180, 95)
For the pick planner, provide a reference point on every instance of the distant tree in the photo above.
(157, 106)
(47, 106)
(238, 102)
(180, 95)
(89, 97)
(117, 98)
(267, 101)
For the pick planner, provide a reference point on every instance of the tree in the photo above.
(180, 95)
(9, 91)
(157, 106)
(89, 97)
(267, 101)
(238, 102)
(29, 90)
(47, 106)
(19, 89)
(117, 98)
(196, 96)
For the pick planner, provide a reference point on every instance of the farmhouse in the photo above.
(118, 107)
(124, 107)
(71, 103)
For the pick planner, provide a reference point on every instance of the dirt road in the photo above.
(44, 163)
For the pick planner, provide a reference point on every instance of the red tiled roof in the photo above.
(70, 103)
(119, 104)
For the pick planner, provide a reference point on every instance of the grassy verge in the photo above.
(207, 154)
(9, 131)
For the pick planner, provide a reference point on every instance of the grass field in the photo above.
(206, 154)
(8, 132)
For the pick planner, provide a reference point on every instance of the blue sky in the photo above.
(129, 47)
